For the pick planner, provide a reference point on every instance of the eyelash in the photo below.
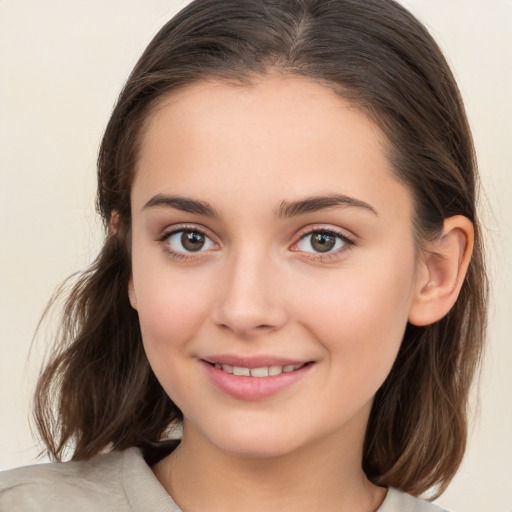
(182, 256)
(316, 256)
(330, 255)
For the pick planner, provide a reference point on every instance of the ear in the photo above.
(131, 293)
(113, 228)
(113, 223)
(442, 269)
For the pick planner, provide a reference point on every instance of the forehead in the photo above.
(280, 136)
(272, 110)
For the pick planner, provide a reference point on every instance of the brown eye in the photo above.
(192, 240)
(323, 242)
(187, 241)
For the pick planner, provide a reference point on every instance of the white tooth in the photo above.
(275, 370)
(288, 368)
(227, 368)
(218, 366)
(245, 372)
(297, 366)
(259, 372)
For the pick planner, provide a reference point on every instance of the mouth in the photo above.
(255, 378)
(259, 372)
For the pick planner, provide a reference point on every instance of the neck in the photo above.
(325, 475)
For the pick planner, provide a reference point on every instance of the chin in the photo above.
(251, 442)
(257, 448)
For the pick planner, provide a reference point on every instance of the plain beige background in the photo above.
(62, 64)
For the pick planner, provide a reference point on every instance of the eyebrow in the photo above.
(317, 203)
(184, 204)
(286, 209)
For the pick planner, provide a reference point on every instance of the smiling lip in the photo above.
(271, 375)
(252, 361)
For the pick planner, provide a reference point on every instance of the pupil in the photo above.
(192, 240)
(323, 242)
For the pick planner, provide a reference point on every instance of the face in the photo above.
(274, 266)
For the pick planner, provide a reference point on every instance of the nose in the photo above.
(251, 298)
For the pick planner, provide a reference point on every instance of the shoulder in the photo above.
(95, 484)
(397, 501)
(117, 481)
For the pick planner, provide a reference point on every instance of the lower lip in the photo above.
(254, 388)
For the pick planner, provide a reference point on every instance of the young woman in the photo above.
(292, 272)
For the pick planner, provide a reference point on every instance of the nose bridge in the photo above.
(250, 299)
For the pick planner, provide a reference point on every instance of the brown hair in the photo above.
(99, 393)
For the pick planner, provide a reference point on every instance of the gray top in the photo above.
(117, 481)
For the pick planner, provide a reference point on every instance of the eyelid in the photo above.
(186, 255)
(348, 240)
(176, 228)
(328, 228)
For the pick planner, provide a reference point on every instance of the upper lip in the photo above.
(252, 361)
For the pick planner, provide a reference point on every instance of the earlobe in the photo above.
(113, 223)
(442, 271)
(131, 293)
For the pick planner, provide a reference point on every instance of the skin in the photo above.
(258, 286)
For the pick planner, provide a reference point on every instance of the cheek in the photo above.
(171, 313)
(170, 306)
(359, 314)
